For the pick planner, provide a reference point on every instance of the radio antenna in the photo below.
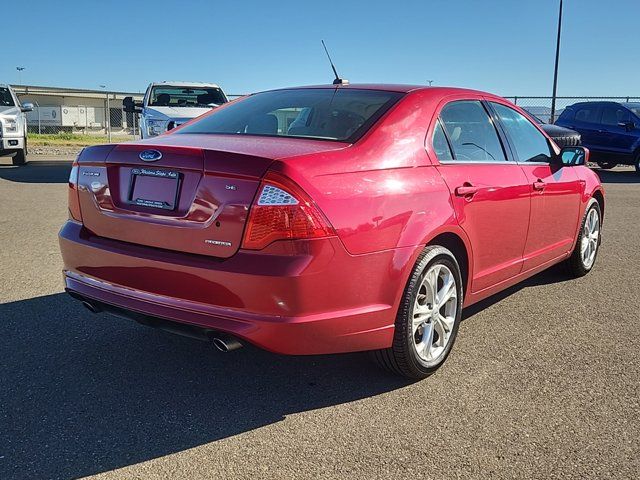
(337, 80)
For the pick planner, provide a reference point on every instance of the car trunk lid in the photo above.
(189, 199)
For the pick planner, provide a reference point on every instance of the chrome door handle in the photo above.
(466, 190)
(539, 185)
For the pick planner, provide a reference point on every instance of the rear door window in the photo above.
(612, 115)
(471, 133)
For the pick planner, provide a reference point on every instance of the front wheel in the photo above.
(637, 164)
(428, 317)
(584, 253)
(20, 158)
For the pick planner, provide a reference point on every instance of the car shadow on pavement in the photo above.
(82, 394)
(618, 176)
(555, 274)
(37, 172)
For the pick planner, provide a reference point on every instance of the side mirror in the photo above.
(628, 126)
(27, 107)
(573, 156)
(130, 105)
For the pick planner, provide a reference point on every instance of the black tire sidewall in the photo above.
(593, 204)
(443, 256)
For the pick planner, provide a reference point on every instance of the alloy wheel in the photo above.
(590, 238)
(434, 312)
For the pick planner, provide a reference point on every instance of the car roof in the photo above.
(394, 87)
(596, 102)
(184, 84)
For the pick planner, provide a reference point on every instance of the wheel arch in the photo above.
(462, 252)
(599, 196)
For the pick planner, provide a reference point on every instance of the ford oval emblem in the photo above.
(150, 155)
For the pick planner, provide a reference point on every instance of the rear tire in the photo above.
(637, 164)
(584, 254)
(428, 317)
(607, 165)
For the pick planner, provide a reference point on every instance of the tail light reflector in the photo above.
(74, 201)
(283, 211)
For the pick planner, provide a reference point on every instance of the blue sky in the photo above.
(506, 47)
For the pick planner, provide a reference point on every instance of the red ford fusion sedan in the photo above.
(329, 219)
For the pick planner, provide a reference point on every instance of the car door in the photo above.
(555, 190)
(490, 194)
(616, 136)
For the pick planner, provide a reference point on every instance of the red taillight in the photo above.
(74, 201)
(283, 211)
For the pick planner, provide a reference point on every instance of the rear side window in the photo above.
(614, 115)
(529, 143)
(587, 114)
(471, 133)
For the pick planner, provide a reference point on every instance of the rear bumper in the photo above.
(299, 298)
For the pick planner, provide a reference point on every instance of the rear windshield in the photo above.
(319, 113)
(186, 97)
(6, 100)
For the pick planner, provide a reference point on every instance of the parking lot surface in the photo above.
(543, 381)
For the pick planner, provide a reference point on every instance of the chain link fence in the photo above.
(114, 124)
(108, 121)
(541, 106)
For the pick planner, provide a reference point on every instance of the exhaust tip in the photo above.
(91, 307)
(226, 343)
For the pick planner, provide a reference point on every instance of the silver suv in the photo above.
(13, 125)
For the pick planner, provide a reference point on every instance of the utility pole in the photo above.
(555, 71)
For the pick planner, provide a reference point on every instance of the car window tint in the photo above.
(614, 115)
(6, 100)
(308, 113)
(530, 144)
(471, 132)
(440, 144)
(587, 114)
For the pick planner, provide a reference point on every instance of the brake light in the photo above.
(283, 211)
(74, 201)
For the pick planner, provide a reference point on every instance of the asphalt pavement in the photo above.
(543, 381)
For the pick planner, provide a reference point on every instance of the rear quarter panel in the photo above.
(382, 192)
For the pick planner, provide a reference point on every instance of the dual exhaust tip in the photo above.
(223, 342)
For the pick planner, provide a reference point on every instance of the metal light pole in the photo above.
(555, 71)
(429, 82)
(20, 69)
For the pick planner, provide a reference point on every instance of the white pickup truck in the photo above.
(167, 105)
(13, 125)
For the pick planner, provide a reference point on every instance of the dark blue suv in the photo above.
(610, 130)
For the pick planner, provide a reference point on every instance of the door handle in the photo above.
(466, 190)
(539, 185)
